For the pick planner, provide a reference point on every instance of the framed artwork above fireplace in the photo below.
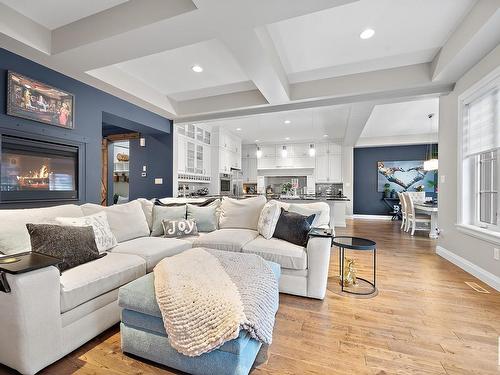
(34, 100)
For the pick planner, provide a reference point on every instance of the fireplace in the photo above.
(37, 171)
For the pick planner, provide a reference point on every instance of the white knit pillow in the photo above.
(104, 237)
(268, 219)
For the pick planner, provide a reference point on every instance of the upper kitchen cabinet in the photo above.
(249, 163)
(193, 153)
(229, 145)
(328, 163)
(285, 156)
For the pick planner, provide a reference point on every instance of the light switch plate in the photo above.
(144, 168)
(142, 142)
(496, 253)
(143, 174)
(158, 181)
(442, 179)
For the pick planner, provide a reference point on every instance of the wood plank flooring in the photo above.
(424, 320)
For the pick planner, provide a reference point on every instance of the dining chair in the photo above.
(403, 210)
(414, 219)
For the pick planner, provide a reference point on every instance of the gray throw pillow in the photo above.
(293, 227)
(161, 213)
(179, 228)
(73, 245)
(205, 217)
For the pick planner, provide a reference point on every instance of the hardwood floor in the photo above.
(424, 320)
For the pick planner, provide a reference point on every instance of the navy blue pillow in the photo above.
(293, 227)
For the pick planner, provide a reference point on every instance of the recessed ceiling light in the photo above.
(287, 122)
(367, 33)
(257, 140)
(287, 138)
(238, 129)
(197, 69)
(326, 135)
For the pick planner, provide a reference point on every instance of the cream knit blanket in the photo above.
(206, 296)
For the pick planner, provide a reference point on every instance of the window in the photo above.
(480, 157)
(487, 192)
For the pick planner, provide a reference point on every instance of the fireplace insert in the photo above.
(37, 171)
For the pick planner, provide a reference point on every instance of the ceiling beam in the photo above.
(358, 117)
(255, 53)
(24, 30)
(117, 20)
(474, 38)
(390, 84)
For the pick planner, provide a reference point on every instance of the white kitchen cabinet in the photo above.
(322, 149)
(199, 159)
(268, 151)
(190, 157)
(181, 155)
(301, 150)
(266, 163)
(261, 185)
(335, 168)
(252, 170)
(322, 168)
(207, 160)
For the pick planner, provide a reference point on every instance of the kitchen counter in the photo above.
(337, 207)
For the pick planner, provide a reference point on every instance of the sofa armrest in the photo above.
(30, 317)
(318, 263)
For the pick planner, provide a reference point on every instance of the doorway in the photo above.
(115, 177)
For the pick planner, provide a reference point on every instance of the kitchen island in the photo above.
(337, 206)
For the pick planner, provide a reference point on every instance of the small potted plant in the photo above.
(393, 193)
(387, 190)
(420, 188)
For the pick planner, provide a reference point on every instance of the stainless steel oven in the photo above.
(225, 184)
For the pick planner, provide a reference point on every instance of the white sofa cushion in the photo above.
(226, 239)
(152, 249)
(284, 253)
(90, 280)
(104, 237)
(322, 207)
(268, 219)
(14, 237)
(127, 221)
(241, 213)
(147, 208)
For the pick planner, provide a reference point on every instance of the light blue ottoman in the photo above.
(143, 334)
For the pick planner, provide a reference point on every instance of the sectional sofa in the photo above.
(47, 314)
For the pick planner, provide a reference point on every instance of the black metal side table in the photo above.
(361, 244)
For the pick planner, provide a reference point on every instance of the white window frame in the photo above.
(468, 182)
(477, 205)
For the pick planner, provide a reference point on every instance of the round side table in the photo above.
(359, 244)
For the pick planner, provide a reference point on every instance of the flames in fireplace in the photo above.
(36, 180)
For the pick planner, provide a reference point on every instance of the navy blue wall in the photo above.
(91, 105)
(367, 200)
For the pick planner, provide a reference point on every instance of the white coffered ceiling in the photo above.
(56, 13)
(261, 56)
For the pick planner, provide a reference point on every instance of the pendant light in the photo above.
(431, 164)
(258, 153)
(312, 150)
(284, 152)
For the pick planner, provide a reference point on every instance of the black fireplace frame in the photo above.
(42, 198)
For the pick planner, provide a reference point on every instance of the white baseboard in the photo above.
(371, 217)
(469, 267)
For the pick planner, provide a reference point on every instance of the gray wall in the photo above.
(475, 250)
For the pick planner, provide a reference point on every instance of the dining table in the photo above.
(432, 210)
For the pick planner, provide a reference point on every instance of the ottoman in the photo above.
(143, 334)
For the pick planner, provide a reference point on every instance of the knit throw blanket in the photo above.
(207, 296)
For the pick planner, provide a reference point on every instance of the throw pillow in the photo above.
(205, 217)
(268, 219)
(127, 221)
(104, 238)
(306, 211)
(179, 228)
(241, 213)
(293, 227)
(161, 213)
(73, 245)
